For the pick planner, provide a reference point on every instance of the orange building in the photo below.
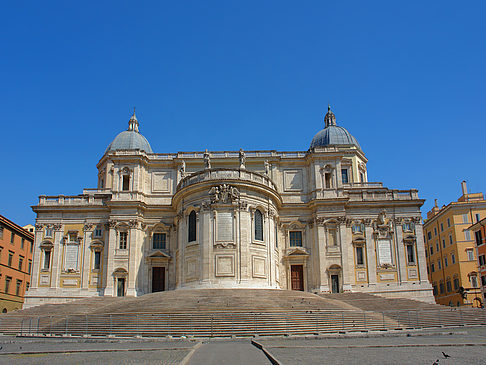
(452, 261)
(16, 247)
(479, 230)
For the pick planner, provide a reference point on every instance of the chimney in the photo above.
(464, 187)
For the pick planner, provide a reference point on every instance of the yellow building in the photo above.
(450, 249)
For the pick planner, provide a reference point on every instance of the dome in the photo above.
(130, 139)
(332, 134)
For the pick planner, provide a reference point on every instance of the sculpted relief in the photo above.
(224, 194)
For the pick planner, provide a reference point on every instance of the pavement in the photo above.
(463, 345)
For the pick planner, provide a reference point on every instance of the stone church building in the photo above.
(230, 219)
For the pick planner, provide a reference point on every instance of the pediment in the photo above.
(297, 252)
(159, 255)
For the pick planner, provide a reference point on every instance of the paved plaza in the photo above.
(464, 345)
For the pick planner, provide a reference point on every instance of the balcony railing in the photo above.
(226, 174)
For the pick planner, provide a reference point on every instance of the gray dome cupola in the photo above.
(332, 134)
(130, 139)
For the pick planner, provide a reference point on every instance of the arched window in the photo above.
(258, 225)
(192, 227)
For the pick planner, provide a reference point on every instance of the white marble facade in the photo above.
(230, 219)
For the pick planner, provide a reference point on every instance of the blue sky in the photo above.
(407, 79)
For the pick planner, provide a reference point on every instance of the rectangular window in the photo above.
(479, 237)
(443, 243)
(478, 218)
(441, 288)
(407, 227)
(123, 240)
(10, 258)
(295, 238)
(429, 235)
(450, 239)
(439, 264)
(8, 279)
(328, 178)
(22, 243)
(17, 289)
(97, 260)
(411, 254)
(482, 260)
(474, 281)
(29, 268)
(449, 286)
(442, 227)
(359, 256)
(48, 232)
(358, 228)
(483, 280)
(21, 262)
(344, 174)
(453, 258)
(432, 267)
(464, 218)
(158, 241)
(467, 235)
(435, 289)
(12, 237)
(126, 183)
(31, 246)
(431, 250)
(446, 263)
(470, 254)
(437, 246)
(456, 283)
(448, 222)
(435, 231)
(97, 232)
(47, 259)
(72, 237)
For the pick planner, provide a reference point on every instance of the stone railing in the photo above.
(70, 200)
(361, 185)
(226, 174)
(364, 195)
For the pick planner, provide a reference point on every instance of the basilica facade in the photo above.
(306, 221)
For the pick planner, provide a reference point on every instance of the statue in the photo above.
(207, 160)
(267, 167)
(242, 159)
(214, 193)
(183, 168)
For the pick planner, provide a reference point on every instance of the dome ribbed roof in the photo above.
(332, 134)
(130, 139)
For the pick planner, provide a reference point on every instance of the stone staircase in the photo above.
(231, 312)
(376, 303)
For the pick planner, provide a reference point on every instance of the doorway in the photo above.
(297, 277)
(335, 283)
(158, 279)
(120, 287)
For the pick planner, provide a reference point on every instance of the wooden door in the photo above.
(335, 283)
(120, 287)
(158, 279)
(297, 277)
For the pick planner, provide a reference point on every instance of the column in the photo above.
(347, 260)
(421, 263)
(109, 255)
(401, 258)
(370, 256)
